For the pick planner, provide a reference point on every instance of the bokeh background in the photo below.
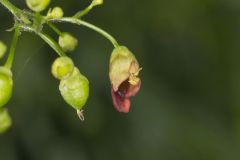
(188, 107)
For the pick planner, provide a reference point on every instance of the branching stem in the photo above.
(20, 15)
(54, 28)
(11, 54)
(88, 25)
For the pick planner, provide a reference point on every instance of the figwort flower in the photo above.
(123, 73)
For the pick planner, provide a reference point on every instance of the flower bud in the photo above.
(55, 13)
(3, 49)
(75, 89)
(37, 5)
(123, 74)
(5, 120)
(97, 2)
(6, 85)
(68, 42)
(62, 67)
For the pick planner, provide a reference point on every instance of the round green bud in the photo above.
(55, 13)
(62, 67)
(6, 85)
(68, 42)
(75, 89)
(37, 5)
(97, 2)
(3, 49)
(5, 121)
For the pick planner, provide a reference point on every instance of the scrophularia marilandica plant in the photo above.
(74, 86)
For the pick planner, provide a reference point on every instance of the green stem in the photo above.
(89, 25)
(11, 54)
(18, 13)
(83, 12)
(49, 40)
(79, 14)
(14, 10)
(52, 43)
(54, 28)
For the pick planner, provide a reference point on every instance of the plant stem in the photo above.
(83, 12)
(11, 54)
(14, 10)
(18, 13)
(49, 40)
(52, 43)
(89, 25)
(54, 28)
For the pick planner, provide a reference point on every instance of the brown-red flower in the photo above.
(124, 70)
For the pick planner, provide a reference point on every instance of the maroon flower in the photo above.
(124, 70)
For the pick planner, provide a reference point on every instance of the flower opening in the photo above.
(124, 70)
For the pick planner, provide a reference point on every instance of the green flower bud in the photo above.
(62, 67)
(3, 49)
(55, 13)
(75, 89)
(97, 2)
(37, 5)
(5, 120)
(68, 42)
(6, 85)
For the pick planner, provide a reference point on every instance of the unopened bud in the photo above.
(97, 2)
(37, 5)
(68, 42)
(55, 13)
(62, 67)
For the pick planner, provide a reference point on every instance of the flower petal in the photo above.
(120, 103)
(121, 98)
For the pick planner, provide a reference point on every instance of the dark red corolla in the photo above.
(124, 70)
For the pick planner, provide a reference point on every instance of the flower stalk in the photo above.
(11, 55)
(88, 25)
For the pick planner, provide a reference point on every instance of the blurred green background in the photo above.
(188, 107)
